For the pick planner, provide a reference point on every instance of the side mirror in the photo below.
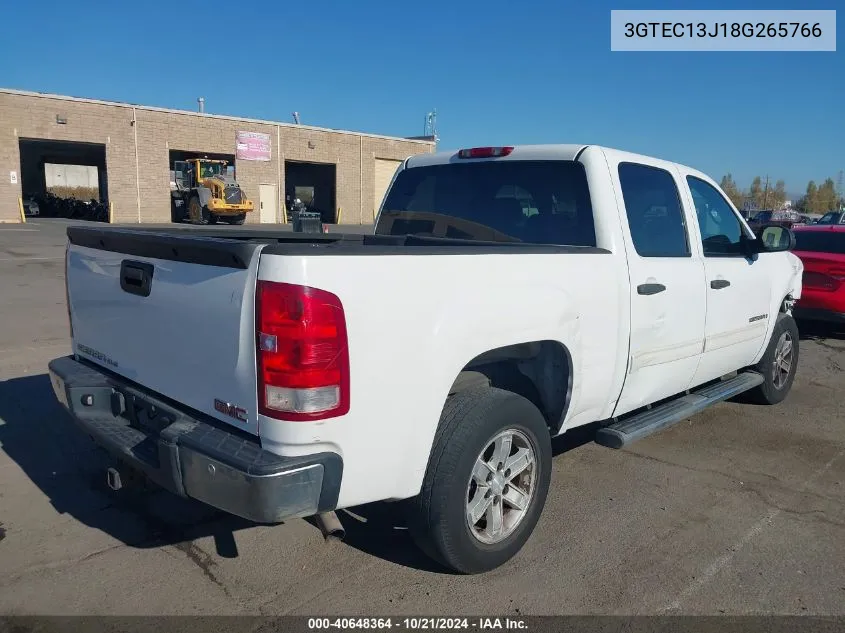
(773, 239)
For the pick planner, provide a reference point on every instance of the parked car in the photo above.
(508, 295)
(822, 249)
(765, 219)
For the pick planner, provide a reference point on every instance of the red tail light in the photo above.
(824, 281)
(303, 353)
(484, 152)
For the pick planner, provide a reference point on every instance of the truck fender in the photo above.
(456, 341)
(787, 271)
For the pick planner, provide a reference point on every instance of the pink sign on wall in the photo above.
(253, 146)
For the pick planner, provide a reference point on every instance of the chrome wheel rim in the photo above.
(501, 487)
(782, 364)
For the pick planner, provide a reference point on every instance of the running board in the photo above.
(624, 432)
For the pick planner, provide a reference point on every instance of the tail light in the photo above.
(484, 152)
(829, 280)
(303, 353)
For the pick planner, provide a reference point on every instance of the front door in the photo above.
(667, 284)
(738, 287)
(267, 199)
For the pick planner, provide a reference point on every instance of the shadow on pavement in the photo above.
(379, 529)
(820, 330)
(37, 433)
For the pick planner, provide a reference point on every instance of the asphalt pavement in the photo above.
(738, 510)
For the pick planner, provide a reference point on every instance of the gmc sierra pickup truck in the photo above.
(507, 295)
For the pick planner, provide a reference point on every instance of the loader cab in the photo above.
(209, 168)
(190, 173)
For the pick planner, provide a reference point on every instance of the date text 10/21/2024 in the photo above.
(419, 623)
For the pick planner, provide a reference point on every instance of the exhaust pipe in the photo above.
(113, 479)
(330, 526)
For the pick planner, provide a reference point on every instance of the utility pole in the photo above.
(766, 195)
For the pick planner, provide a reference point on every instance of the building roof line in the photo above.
(224, 117)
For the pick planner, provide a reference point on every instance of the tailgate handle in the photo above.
(136, 277)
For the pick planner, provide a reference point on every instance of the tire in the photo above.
(236, 219)
(776, 384)
(198, 213)
(438, 517)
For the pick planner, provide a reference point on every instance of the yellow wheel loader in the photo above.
(204, 192)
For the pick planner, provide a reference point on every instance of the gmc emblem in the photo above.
(227, 408)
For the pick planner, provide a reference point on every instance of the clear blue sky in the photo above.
(497, 72)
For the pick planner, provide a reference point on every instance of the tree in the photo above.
(827, 198)
(811, 198)
(732, 191)
(756, 192)
(777, 196)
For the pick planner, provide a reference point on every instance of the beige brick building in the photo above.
(134, 148)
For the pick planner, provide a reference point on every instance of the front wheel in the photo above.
(486, 482)
(778, 364)
(198, 212)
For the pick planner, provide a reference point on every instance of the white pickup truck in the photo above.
(508, 295)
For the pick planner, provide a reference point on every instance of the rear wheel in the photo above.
(486, 482)
(778, 364)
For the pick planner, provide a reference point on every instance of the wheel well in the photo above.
(787, 303)
(540, 371)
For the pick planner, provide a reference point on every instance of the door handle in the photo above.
(650, 289)
(136, 277)
(718, 284)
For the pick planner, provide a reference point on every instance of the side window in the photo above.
(721, 232)
(653, 206)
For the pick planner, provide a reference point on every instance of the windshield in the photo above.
(763, 216)
(830, 218)
(207, 170)
(827, 241)
(539, 202)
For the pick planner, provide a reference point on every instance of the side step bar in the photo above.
(624, 432)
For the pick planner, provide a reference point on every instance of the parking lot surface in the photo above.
(739, 510)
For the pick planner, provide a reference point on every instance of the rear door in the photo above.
(667, 282)
(739, 288)
(173, 314)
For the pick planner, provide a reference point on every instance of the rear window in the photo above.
(537, 202)
(820, 241)
(830, 218)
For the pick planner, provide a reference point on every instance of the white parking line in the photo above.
(722, 561)
(9, 230)
(30, 259)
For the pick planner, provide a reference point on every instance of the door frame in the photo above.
(276, 194)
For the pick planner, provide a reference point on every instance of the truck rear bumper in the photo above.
(192, 455)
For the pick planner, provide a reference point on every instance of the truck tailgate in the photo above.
(174, 314)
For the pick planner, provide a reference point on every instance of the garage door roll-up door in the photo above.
(384, 170)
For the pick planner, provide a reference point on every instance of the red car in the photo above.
(822, 249)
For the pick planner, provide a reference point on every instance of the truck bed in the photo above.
(233, 247)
